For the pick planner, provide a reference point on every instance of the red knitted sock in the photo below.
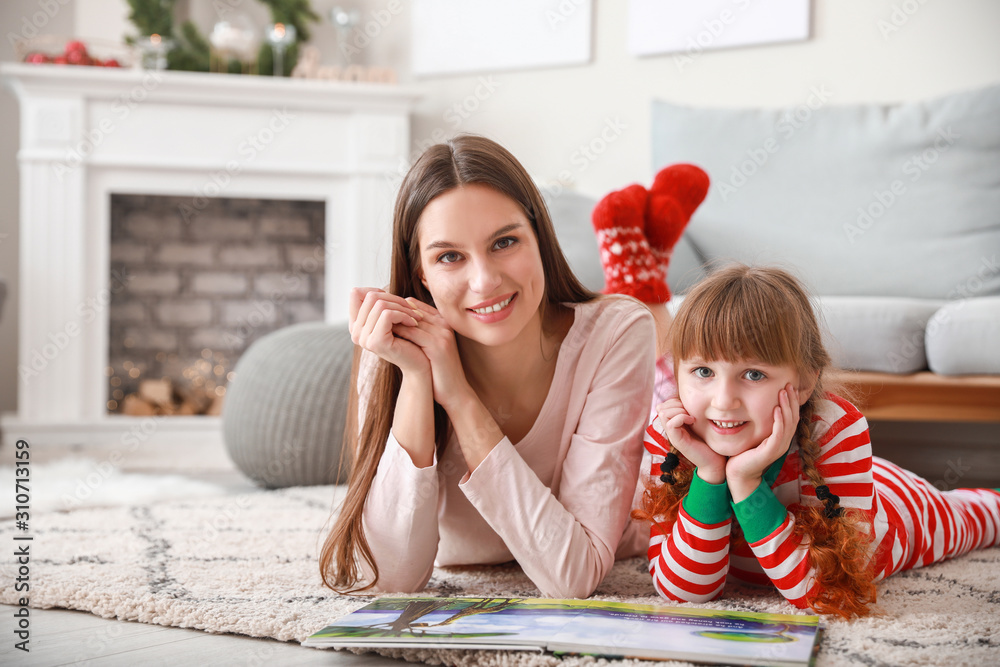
(677, 192)
(629, 265)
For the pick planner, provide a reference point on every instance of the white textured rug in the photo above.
(247, 564)
(77, 482)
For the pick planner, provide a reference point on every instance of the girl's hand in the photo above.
(377, 318)
(676, 423)
(436, 340)
(745, 471)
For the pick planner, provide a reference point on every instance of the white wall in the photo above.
(544, 116)
(107, 19)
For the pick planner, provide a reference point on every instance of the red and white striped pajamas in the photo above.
(914, 523)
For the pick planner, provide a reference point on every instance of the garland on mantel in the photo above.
(191, 48)
(152, 17)
(290, 12)
(293, 12)
(156, 17)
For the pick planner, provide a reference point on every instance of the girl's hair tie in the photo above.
(667, 467)
(832, 511)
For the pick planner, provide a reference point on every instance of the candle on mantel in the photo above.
(231, 39)
(154, 51)
(280, 36)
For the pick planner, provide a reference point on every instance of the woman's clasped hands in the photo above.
(411, 335)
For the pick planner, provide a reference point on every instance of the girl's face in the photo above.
(480, 261)
(733, 402)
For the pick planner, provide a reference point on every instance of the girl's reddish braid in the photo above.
(839, 554)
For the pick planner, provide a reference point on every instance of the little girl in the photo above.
(746, 430)
(760, 475)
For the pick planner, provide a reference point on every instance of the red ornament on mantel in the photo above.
(74, 46)
(75, 53)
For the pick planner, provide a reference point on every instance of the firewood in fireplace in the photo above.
(157, 392)
(164, 398)
(196, 398)
(138, 407)
(216, 407)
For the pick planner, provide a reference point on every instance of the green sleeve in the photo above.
(760, 513)
(707, 503)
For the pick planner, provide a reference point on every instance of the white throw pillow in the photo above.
(964, 337)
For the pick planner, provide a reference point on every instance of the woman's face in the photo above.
(480, 261)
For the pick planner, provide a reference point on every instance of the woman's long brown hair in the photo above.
(741, 312)
(464, 160)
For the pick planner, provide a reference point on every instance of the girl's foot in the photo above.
(677, 192)
(628, 262)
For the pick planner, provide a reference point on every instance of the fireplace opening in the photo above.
(197, 282)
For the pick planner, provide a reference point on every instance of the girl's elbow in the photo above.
(677, 594)
(690, 597)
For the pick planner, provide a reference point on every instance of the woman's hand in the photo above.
(676, 423)
(745, 471)
(377, 318)
(477, 431)
(436, 340)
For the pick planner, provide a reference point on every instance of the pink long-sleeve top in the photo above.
(558, 501)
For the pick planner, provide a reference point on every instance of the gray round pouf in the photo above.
(285, 409)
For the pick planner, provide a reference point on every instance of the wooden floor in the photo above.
(61, 637)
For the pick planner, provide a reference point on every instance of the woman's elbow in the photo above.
(388, 587)
(566, 586)
(391, 580)
(569, 590)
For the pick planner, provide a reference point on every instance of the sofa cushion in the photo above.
(963, 337)
(571, 212)
(873, 200)
(876, 333)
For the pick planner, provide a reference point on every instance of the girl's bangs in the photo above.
(736, 323)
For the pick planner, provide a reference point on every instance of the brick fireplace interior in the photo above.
(194, 283)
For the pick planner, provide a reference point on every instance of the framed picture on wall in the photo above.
(456, 36)
(682, 26)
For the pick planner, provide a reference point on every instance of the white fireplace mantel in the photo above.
(88, 133)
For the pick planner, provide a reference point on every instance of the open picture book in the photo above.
(585, 627)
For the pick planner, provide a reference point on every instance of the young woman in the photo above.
(502, 404)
